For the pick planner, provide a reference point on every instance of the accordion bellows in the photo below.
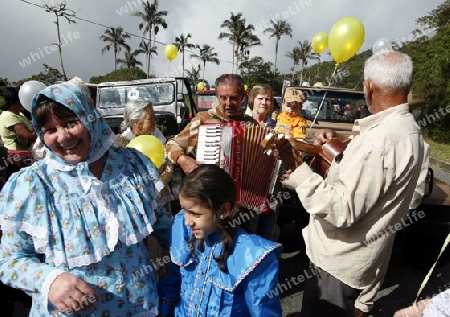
(237, 149)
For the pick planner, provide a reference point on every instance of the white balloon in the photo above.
(381, 44)
(27, 92)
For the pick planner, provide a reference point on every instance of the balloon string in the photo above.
(169, 69)
(323, 99)
(427, 277)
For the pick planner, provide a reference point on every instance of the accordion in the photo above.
(237, 149)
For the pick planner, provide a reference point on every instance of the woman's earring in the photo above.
(222, 217)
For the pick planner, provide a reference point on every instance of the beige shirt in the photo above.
(364, 196)
(421, 183)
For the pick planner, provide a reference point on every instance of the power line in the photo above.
(108, 27)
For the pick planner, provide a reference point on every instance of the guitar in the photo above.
(322, 156)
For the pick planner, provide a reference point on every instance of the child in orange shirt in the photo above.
(289, 121)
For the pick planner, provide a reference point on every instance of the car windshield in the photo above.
(205, 101)
(333, 105)
(111, 97)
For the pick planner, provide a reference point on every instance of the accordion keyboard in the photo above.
(237, 149)
(208, 145)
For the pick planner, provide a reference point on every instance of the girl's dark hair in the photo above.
(212, 187)
(11, 96)
(48, 106)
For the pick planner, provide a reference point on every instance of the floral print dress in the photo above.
(57, 217)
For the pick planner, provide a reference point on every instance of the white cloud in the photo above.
(27, 29)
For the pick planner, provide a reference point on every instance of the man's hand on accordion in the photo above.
(187, 163)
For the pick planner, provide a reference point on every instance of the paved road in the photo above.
(399, 290)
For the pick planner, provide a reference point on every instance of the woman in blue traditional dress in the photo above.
(74, 222)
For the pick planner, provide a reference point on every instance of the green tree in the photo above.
(438, 18)
(348, 75)
(151, 20)
(257, 71)
(116, 39)
(122, 74)
(193, 76)
(48, 76)
(182, 43)
(130, 59)
(278, 29)
(305, 54)
(3, 84)
(60, 10)
(207, 54)
(149, 51)
(243, 51)
(240, 35)
(431, 79)
(295, 56)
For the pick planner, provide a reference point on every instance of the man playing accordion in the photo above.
(230, 92)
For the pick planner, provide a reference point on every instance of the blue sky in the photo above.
(29, 31)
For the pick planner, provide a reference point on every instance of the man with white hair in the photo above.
(367, 192)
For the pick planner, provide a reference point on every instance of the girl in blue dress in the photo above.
(74, 222)
(224, 270)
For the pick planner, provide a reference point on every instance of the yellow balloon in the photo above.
(345, 38)
(150, 146)
(319, 42)
(201, 85)
(171, 51)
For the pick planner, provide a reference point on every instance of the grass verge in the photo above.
(439, 151)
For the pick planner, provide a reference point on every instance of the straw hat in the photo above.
(293, 95)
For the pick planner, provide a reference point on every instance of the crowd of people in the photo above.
(79, 226)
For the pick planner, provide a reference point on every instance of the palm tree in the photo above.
(116, 39)
(193, 76)
(130, 59)
(182, 43)
(206, 55)
(248, 39)
(151, 20)
(232, 25)
(239, 34)
(278, 29)
(143, 46)
(61, 11)
(305, 54)
(295, 56)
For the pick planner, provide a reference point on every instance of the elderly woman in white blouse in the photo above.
(140, 119)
